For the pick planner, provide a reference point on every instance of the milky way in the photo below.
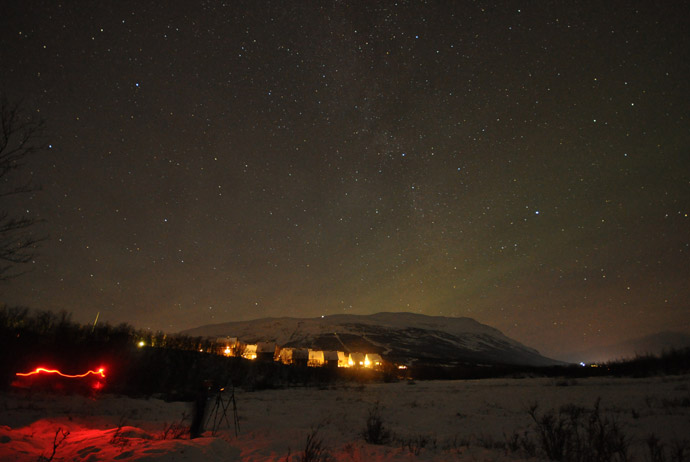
(524, 164)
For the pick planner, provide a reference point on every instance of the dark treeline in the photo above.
(672, 362)
(175, 366)
(31, 338)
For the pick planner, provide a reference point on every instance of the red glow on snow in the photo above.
(39, 370)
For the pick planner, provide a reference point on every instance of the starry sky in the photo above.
(525, 164)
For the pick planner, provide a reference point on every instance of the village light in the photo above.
(289, 355)
(141, 344)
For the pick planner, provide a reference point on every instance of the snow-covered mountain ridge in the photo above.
(404, 337)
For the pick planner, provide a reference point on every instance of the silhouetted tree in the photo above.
(21, 135)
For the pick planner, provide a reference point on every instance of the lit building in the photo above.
(249, 352)
(356, 360)
(373, 360)
(316, 358)
(227, 346)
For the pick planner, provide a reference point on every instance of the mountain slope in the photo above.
(400, 337)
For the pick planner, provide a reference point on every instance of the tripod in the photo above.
(219, 412)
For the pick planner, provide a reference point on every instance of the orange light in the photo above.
(38, 370)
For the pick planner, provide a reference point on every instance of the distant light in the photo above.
(141, 344)
(582, 364)
(536, 212)
(136, 84)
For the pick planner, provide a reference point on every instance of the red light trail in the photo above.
(38, 370)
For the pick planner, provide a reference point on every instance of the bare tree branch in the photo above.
(21, 136)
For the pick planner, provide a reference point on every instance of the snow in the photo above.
(286, 329)
(458, 419)
(402, 329)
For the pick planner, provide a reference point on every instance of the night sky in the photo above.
(526, 164)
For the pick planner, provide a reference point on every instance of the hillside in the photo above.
(400, 337)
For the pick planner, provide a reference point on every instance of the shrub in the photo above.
(314, 450)
(576, 434)
(375, 431)
(60, 437)
(657, 450)
(175, 430)
(415, 444)
(457, 444)
(520, 442)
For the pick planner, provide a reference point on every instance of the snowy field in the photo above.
(428, 421)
